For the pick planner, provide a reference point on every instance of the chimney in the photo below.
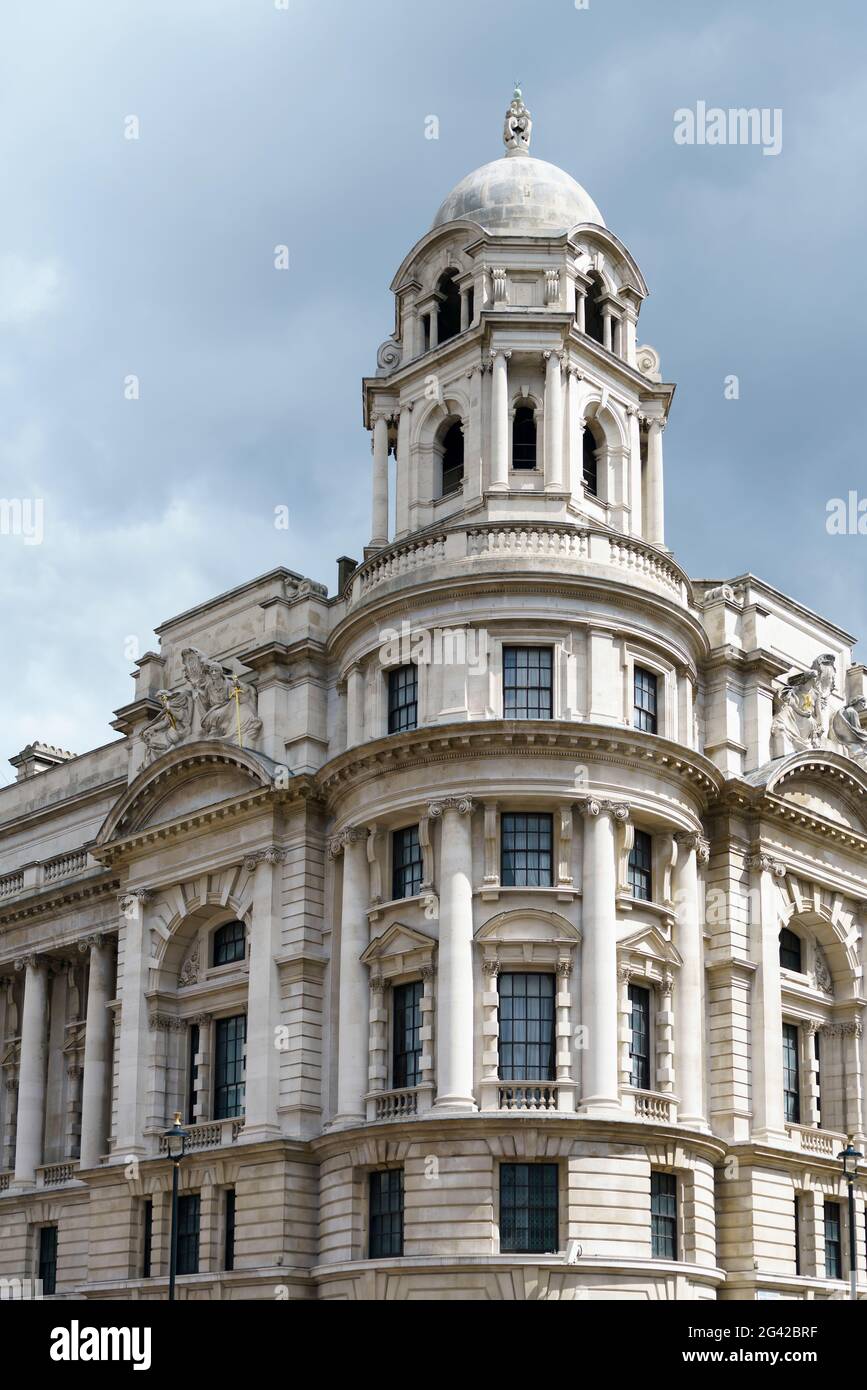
(38, 757)
(345, 568)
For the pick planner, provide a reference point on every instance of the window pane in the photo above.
(406, 863)
(644, 700)
(791, 1074)
(641, 866)
(386, 1213)
(663, 1215)
(402, 699)
(192, 1072)
(48, 1258)
(528, 676)
(229, 1246)
(790, 950)
(229, 1067)
(833, 1243)
(229, 943)
(406, 1054)
(526, 859)
(528, 1208)
(526, 1022)
(147, 1237)
(639, 1037)
(188, 1233)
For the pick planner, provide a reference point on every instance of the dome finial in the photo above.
(518, 125)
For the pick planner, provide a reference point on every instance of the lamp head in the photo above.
(176, 1138)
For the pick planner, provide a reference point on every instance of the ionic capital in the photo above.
(462, 804)
(766, 864)
(691, 840)
(617, 810)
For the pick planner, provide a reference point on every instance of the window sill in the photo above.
(562, 892)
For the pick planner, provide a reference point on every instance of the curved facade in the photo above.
(495, 926)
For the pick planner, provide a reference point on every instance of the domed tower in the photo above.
(512, 388)
(517, 796)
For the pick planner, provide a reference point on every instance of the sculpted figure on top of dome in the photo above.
(518, 126)
(799, 709)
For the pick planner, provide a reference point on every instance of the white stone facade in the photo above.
(257, 781)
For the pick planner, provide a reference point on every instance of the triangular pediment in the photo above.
(653, 944)
(397, 940)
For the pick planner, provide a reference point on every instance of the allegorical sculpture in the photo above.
(211, 703)
(518, 126)
(801, 716)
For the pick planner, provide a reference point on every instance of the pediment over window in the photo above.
(399, 950)
(649, 951)
(187, 781)
(538, 926)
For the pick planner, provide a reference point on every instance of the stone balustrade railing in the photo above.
(632, 560)
(824, 1143)
(395, 1105)
(539, 1097)
(46, 873)
(654, 1107)
(211, 1134)
(56, 1174)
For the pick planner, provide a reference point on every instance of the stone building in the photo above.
(495, 925)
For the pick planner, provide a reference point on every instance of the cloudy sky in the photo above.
(304, 125)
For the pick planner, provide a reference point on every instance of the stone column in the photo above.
(135, 1062)
(599, 1089)
(354, 704)
(378, 1060)
(354, 992)
(655, 490)
(401, 483)
(379, 527)
(853, 1033)
(32, 1070)
(500, 420)
(606, 327)
(767, 1020)
(96, 1082)
(264, 1006)
(553, 422)
(490, 1033)
(689, 1022)
(455, 1029)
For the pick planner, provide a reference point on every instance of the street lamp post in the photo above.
(849, 1158)
(176, 1142)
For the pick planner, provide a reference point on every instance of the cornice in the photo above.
(529, 738)
(54, 901)
(104, 790)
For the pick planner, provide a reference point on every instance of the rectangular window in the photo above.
(833, 1242)
(528, 683)
(526, 1023)
(192, 1072)
(189, 1210)
(386, 1214)
(229, 1050)
(641, 866)
(229, 1243)
(663, 1215)
(147, 1237)
(406, 1048)
(406, 863)
(48, 1258)
(639, 1037)
(402, 698)
(528, 1208)
(526, 857)
(644, 715)
(791, 1074)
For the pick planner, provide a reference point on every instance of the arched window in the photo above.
(591, 470)
(449, 312)
(592, 313)
(453, 458)
(229, 943)
(524, 438)
(790, 951)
